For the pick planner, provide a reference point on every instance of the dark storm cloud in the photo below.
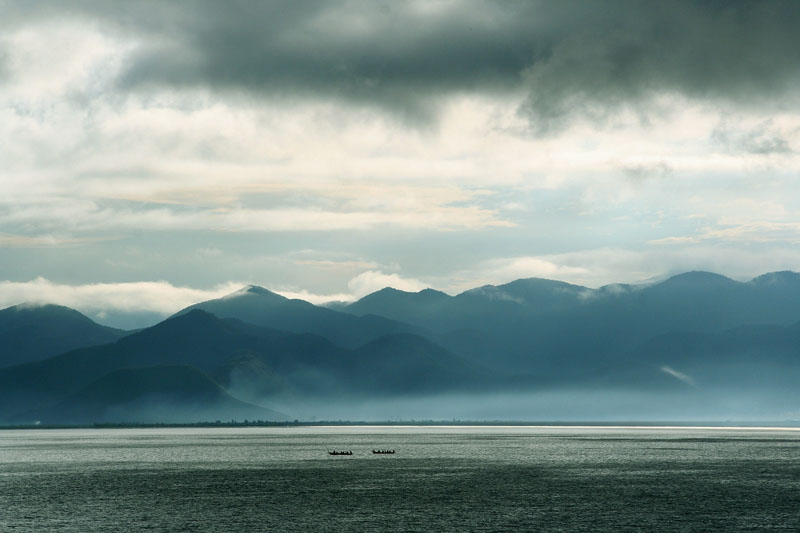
(614, 55)
(383, 54)
(587, 59)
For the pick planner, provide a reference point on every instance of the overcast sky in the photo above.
(153, 154)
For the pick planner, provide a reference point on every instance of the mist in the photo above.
(553, 406)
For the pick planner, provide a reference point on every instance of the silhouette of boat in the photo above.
(383, 452)
(334, 452)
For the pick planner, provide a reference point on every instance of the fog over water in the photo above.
(578, 405)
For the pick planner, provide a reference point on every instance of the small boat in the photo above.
(334, 452)
(383, 452)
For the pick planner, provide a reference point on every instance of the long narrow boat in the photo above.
(334, 452)
(383, 452)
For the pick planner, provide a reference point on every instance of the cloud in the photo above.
(209, 252)
(94, 217)
(675, 240)
(165, 298)
(614, 56)
(764, 138)
(156, 296)
(756, 232)
(316, 299)
(37, 241)
(639, 171)
(330, 264)
(604, 266)
(572, 58)
(397, 135)
(532, 267)
(374, 280)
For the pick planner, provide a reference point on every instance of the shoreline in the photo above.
(788, 425)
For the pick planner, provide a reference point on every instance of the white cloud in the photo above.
(374, 280)
(209, 252)
(674, 240)
(316, 299)
(604, 266)
(156, 296)
(94, 218)
(757, 232)
(80, 160)
(36, 241)
(533, 267)
(165, 298)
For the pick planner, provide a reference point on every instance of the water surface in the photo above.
(440, 479)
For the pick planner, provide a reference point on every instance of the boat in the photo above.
(383, 452)
(334, 452)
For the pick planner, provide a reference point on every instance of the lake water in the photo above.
(439, 479)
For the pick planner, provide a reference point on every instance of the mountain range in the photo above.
(544, 326)
(702, 337)
(259, 306)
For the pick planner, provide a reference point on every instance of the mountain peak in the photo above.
(433, 293)
(43, 306)
(256, 290)
(28, 311)
(191, 318)
(698, 277)
(33, 331)
(389, 290)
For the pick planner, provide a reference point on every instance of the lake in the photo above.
(439, 479)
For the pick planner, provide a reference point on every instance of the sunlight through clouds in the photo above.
(513, 140)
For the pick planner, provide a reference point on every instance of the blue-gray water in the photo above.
(440, 479)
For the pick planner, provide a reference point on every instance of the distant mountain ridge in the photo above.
(259, 306)
(544, 325)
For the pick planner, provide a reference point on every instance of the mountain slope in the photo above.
(164, 394)
(747, 358)
(242, 357)
(32, 332)
(409, 364)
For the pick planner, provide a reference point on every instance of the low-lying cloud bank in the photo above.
(163, 298)
(154, 296)
(106, 302)
(567, 405)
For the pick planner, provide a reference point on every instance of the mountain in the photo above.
(160, 394)
(30, 332)
(555, 328)
(249, 361)
(693, 343)
(261, 307)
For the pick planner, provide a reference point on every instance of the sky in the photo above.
(156, 154)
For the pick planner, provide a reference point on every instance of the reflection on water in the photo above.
(440, 479)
